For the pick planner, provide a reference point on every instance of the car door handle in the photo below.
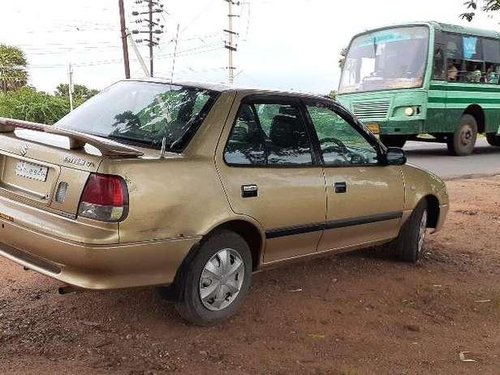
(249, 191)
(340, 187)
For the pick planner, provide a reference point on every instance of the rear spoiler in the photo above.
(77, 140)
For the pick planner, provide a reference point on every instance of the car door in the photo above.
(270, 173)
(364, 198)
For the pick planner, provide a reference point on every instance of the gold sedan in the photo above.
(195, 187)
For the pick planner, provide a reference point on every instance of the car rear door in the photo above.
(364, 199)
(270, 173)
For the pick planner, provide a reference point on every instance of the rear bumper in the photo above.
(94, 266)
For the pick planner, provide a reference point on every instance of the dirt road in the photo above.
(359, 313)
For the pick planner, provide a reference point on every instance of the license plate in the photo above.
(31, 171)
(374, 128)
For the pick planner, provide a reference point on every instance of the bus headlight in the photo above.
(409, 111)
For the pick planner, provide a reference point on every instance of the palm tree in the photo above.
(13, 72)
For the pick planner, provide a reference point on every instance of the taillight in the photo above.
(104, 198)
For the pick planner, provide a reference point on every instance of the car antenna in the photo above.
(163, 146)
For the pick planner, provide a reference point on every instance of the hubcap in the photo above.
(466, 135)
(221, 279)
(422, 230)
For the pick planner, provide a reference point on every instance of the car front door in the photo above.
(364, 198)
(270, 173)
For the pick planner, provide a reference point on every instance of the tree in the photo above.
(81, 93)
(29, 104)
(472, 5)
(13, 73)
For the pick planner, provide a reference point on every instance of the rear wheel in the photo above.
(462, 142)
(410, 243)
(217, 279)
(393, 140)
(493, 139)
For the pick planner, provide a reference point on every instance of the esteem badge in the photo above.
(69, 159)
(6, 217)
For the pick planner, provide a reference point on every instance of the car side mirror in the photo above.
(395, 156)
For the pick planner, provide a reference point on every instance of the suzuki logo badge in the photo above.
(24, 149)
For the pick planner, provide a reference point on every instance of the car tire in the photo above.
(393, 140)
(462, 142)
(493, 139)
(409, 244)
(210, 292)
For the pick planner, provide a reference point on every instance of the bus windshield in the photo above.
(386, 59)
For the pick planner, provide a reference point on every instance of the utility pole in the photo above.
(153, 27)
(230, 45)
(70, 86)
(138, 55)
(150, 6)
(123, 29)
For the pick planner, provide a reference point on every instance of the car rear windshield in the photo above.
(143, 114)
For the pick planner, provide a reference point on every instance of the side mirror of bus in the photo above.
(395, 156)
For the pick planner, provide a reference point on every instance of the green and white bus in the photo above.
(425, 78)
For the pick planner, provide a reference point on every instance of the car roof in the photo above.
(219, 87)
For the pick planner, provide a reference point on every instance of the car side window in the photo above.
(268, 134)
(341, 143)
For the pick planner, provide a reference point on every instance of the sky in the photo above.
(282, 44)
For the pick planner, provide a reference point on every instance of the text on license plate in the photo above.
(31, 171)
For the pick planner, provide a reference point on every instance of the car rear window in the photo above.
(143, 113)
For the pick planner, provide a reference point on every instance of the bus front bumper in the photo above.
(391, 127)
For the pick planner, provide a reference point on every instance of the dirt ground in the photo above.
(357, 313)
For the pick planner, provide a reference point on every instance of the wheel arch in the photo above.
(477, 112)
(432, 210)
(249, 231)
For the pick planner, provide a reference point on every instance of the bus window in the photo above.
(439, 71)
(455, 67)
(491, 51)
(386, 59)
(473, 59)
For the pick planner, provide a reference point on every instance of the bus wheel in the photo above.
(393, 140)
(493, 139)
(461, 143)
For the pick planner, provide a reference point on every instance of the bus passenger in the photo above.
(474, 75)
(452, 72)
(491, 75)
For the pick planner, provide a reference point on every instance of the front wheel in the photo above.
(462, 142)
(217, 279)
(410, 243)
(393, 140)
(493, 139)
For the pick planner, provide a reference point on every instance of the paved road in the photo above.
(434, 156)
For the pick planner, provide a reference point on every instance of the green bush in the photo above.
(29, 104)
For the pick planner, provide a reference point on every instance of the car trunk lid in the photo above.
(47, 167)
